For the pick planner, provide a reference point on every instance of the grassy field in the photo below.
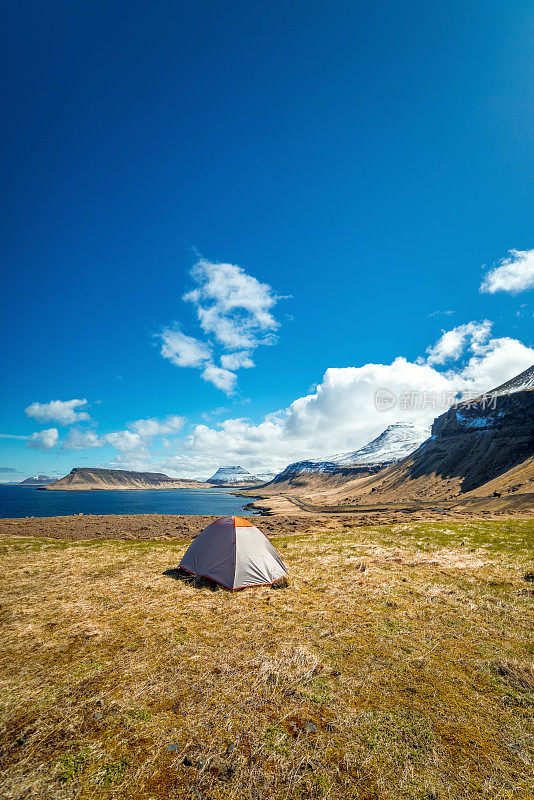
(397, 664)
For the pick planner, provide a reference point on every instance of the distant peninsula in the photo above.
(36, 480)
(84, 478)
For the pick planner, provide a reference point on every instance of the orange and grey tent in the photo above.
(234, 553)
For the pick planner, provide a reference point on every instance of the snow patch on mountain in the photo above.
(523, 382)
(232, 475)
(395, 443)
(38, 480)
(266, 475)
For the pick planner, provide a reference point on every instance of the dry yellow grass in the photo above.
(397, 664)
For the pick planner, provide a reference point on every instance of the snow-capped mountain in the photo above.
(396, 442)
(231, 475)
(37, 480)
(266, 475)
(523, 382)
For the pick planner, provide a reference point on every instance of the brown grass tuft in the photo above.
(521, 673)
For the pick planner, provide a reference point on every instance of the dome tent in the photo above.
(234, 553)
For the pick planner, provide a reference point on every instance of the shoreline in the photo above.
(226, 489)
(267, 505)
(483, 507)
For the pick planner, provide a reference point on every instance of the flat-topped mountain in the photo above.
(232, 476)
(98, 478)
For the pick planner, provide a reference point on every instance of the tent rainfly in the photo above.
(234, 553)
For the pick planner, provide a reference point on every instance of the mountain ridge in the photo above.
(100, 478)
(37, 480)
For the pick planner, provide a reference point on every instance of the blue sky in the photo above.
(359, 168)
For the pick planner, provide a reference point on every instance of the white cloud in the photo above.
(190, 466)
(221, 378)
(80, 440)
(451, 344)
(496, 362)
(513, 274)
(61, 411)
(231, 305)
(182, 350)
(339, 415)
(135, 441)
(44, 440)
(175, 465)
(234, 311)
(125, 441)
(154, 427)
(239, 360)
(484, 360)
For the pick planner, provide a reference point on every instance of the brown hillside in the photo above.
(81, 478)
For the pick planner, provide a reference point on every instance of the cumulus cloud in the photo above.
(137, 437)
(81, 440)
(136, 440)
(125, 441)
(44, 440)
(232, 305)
(340, 414)
(182, 350)
(155, 427)
(235, 312)
(513, 274)
(451, 344)
(496, 362)
(221, 378)
(64, 412)
(239, 360)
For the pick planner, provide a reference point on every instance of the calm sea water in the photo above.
(22, 501)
